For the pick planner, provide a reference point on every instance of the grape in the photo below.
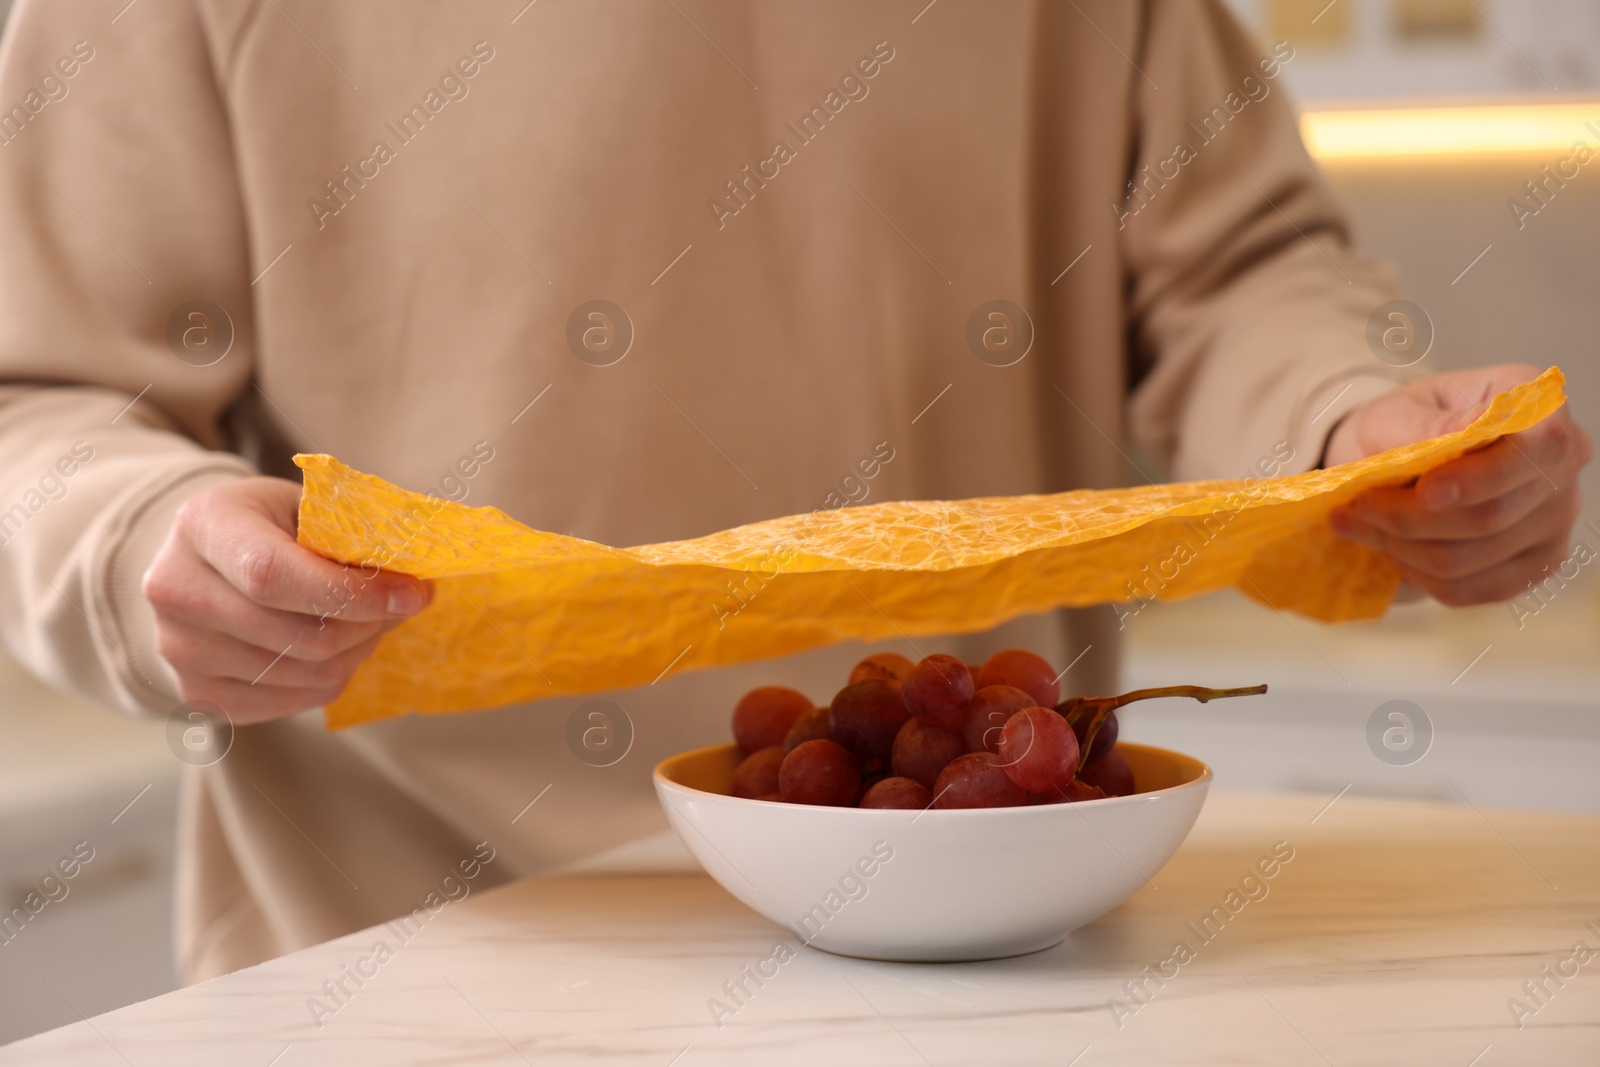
(992, 706)
(757, 773)
(870, 779)
(1111, 773)
(865, 717)
(812, 726)
(938, 690)
(897, 793)
(1080, 713)
(1039, 750)
(819, 772)
(763, 716)
(1105, 738)
(886, 666)
(977, 780)
(1076, 790)
(1022, 669)
(921, 751)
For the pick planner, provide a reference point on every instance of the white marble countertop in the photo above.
(1400, 933)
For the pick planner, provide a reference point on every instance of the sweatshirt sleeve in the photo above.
(125, 331)
(1249, 309)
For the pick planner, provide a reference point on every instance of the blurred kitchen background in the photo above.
(1514, 705)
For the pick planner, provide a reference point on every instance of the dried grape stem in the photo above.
(1104, 706)
(1198, 692)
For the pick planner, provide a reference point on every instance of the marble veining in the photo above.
(1398, 933)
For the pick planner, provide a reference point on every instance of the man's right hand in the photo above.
(256, 624)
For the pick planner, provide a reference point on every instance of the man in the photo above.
(635, 272)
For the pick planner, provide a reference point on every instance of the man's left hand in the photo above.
(1479, 528)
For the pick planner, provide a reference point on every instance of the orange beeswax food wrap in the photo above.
(520, 614)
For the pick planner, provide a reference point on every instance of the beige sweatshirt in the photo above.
(234, 229)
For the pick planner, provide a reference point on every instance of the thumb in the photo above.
(1406, 416)
(1433, 409)
(1451, 422)
(246, 534)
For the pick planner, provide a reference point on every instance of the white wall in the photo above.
(1519, 46)
(73, 773)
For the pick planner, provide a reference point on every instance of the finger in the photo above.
(1502, 466)
(247, 704)
(195, 595)
(1347, 523)
(203, 652)
(1399, 512)
(252, 550)
(1458, 560)
(1503, 582)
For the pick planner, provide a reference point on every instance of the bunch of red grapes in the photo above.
(932, 734)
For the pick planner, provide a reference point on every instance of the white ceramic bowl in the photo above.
(932, 885)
